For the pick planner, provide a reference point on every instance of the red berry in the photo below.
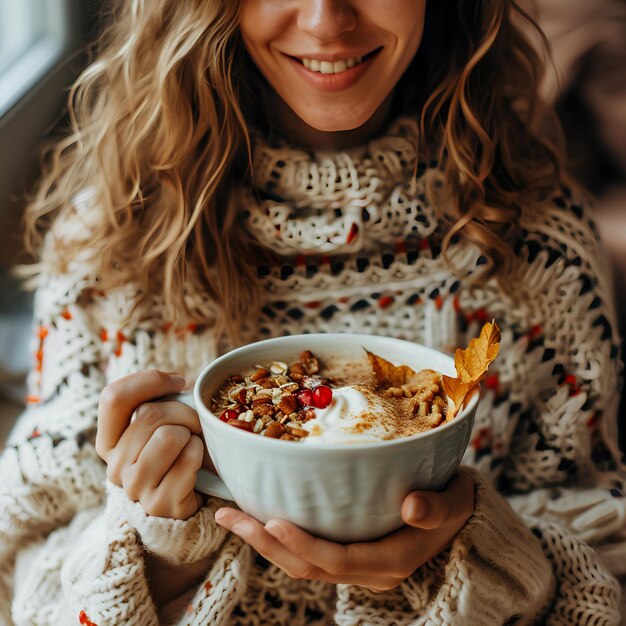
(228, 414)
(322, 396)
(242, 396)
(305, 398)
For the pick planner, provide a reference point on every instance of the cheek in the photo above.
(261, 23)
(405, 19)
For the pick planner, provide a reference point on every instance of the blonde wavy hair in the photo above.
(159, 135)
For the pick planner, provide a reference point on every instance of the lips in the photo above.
(337, 66)
(327, 67)
(326, 81)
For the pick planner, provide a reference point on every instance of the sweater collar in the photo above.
(329, 202)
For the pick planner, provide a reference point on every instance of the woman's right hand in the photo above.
(156, 456)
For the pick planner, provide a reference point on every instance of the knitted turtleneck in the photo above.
(357, 248)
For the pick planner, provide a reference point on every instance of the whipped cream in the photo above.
(351, 417)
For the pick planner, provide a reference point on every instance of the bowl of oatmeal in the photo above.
(330, 431)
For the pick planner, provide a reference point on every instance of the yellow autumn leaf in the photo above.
(456, 391)
(471, 365)
(387, 374)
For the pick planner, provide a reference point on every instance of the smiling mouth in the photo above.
(337, 67)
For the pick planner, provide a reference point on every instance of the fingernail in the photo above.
(417, 509)
(275, 530)
(220, 516)
(178, 381)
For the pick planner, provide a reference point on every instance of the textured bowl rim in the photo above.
(466, 412)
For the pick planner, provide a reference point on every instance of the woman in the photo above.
(223, 182)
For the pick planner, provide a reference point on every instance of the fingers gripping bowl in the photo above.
(340, 491)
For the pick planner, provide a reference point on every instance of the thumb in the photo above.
(434, 509)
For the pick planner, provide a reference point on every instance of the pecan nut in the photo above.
(275, 430)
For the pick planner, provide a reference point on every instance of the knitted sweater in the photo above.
(357, 249)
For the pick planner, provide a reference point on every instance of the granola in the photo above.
(275, 400)
(279, 400)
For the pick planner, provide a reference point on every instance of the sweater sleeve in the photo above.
(549, 554)
(563, 465)
(563, 469)
(49, 469)
(50, 474)
(104, 574)
(493, 571)
(500, 569)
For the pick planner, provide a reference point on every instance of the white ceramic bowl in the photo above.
(343, 492)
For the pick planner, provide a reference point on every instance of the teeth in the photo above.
(326, 67)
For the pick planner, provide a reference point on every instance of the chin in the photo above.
(335, 121)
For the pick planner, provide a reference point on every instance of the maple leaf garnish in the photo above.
(471, 365)
(387, 374)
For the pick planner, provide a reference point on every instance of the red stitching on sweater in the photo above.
(83, 619)
(385, 302)
(120, 338)
(354, 231)
(42, 333)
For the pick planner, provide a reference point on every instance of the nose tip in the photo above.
(327, 20)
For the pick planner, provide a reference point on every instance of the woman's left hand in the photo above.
(433, 519)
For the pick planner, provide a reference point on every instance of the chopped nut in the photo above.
(290, 387)
(263, 410)
(259, 399)
(310, 361)
(267, 383)
(309, 415)
(288, 404)
(241, 424)
(236, 379)
(286, 437)
(284, 419)
(258, 426)
(297, 371)
(259, 374)
(264, 393)
(275, 430)
(298, 432)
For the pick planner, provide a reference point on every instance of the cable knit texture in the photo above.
(356, 248)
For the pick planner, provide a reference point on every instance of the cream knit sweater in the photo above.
(357, 250)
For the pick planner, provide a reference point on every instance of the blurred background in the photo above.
(42, 50)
